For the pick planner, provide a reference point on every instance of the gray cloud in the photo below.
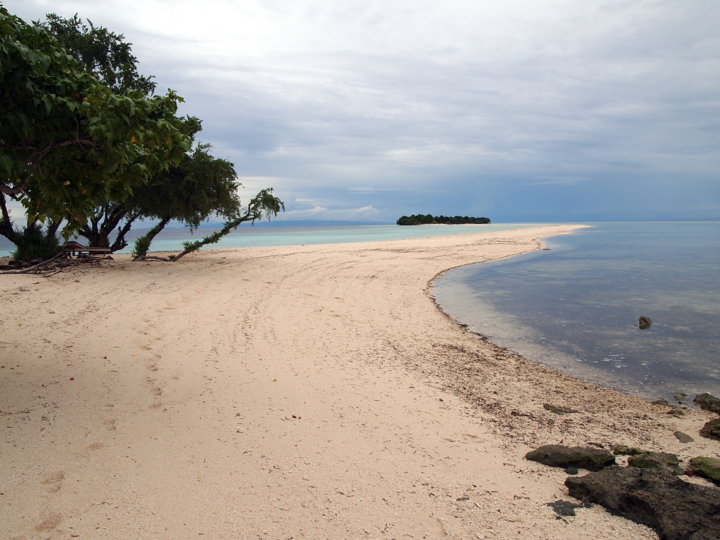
(525, 110)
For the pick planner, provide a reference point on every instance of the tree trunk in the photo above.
(264, 203)
(142, 244)
(6, 226)
(120, 241)
(102, 224)
(212, 238)
(53, 227)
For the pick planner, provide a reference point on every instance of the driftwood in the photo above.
(55, 264)
(152, 258)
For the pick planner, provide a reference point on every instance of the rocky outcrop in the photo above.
(656, 460)
(557, 409)
(644, 322)
(623, 450)
(683, 437)
(706, 467)
(711, 430)
(653, 497)
(564, 508)
(644, 459)
(555, 455)
(707, 402)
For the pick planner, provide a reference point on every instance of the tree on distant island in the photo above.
(428, 219)
(88, 149)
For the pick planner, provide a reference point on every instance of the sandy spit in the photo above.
(290, 392)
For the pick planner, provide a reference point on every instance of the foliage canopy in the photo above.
(84, 142)
(69, 143)
(100, 52)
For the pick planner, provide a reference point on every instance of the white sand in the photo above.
(289, 392)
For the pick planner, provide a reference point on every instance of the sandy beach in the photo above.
(291, 392)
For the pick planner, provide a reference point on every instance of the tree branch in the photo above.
(11, 192)
(120, 241)
(84, 142)
(6, 226)
(264, 203)
(142, 244)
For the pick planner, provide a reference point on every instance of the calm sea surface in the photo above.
(279, 234)
(576, 306)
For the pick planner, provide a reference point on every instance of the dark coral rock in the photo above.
(623, 450)
(662, 402)
(706, 467)
(683, 437)
(656, 460)
(708, 402)
(556, 455)
(674, 508)
(564, 508)
(644, 322)
(558, 409)
(711, 430)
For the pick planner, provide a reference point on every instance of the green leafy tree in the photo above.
(34, 242)
(200, 187)
(86, 145)
(118, 215)
(109, 58)
(264, 204)
(101, 52)
(68, 142)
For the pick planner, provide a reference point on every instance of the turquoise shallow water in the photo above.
(291, 235)
(576, 306)
(278, 234)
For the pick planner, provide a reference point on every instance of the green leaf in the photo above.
(6, 166)
(47, 101)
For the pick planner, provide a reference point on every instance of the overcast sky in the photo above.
(519, 110)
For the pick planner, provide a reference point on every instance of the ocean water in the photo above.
(289, 234)
(575, 307)
(293, 235)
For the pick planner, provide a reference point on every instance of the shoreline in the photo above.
(238, 238)
(309, 391)
(574, 309)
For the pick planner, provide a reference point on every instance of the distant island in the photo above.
(427, 219)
